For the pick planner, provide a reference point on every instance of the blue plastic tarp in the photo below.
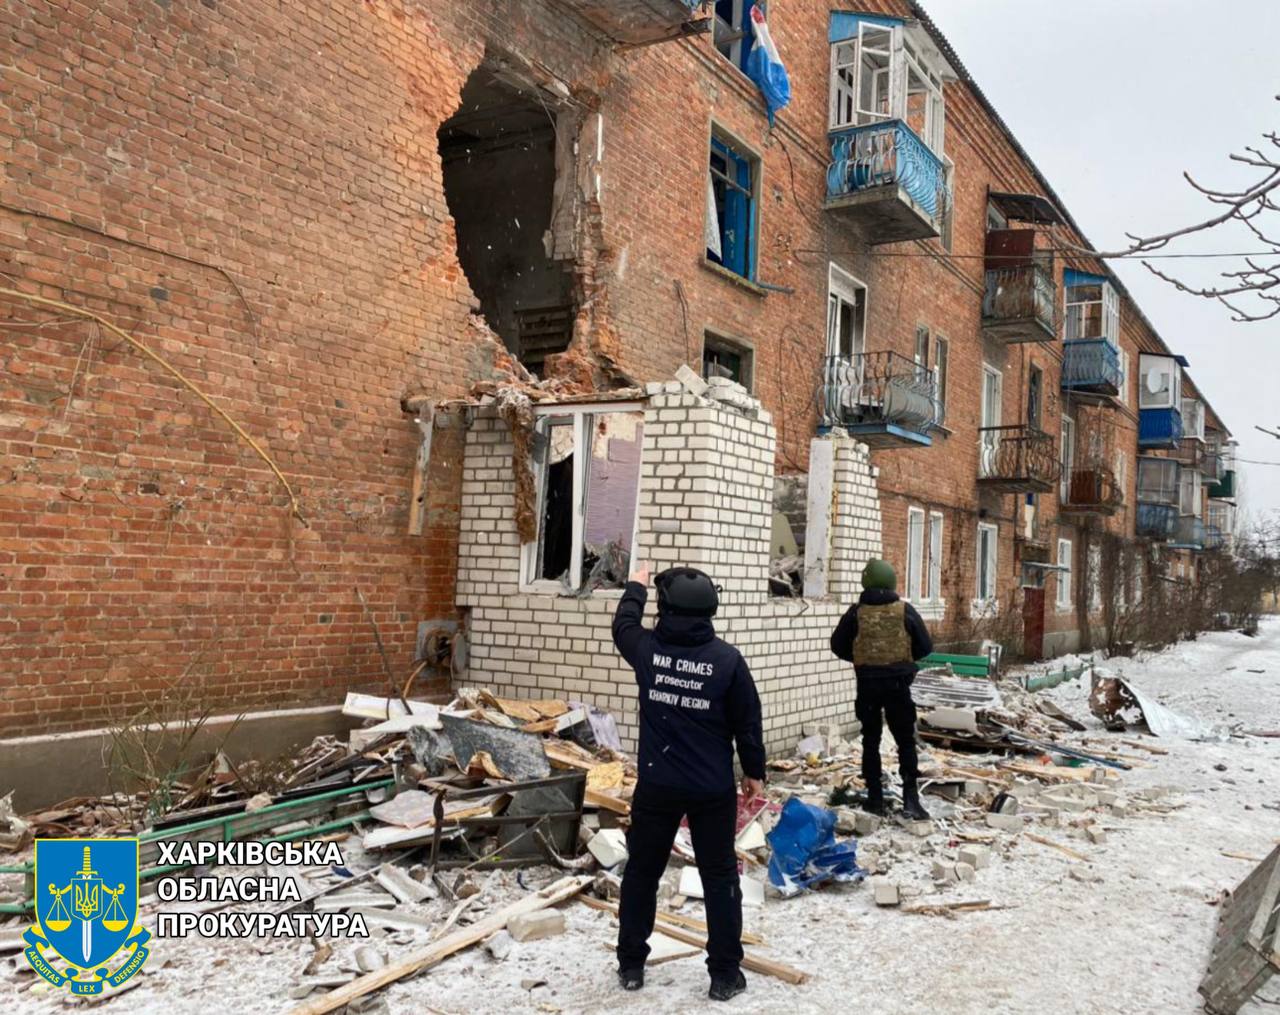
(805, 852)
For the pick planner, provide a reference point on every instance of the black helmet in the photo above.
(687, 592)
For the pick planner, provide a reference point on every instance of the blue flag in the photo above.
(764, 66)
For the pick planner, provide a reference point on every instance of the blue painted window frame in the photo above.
(736, 210)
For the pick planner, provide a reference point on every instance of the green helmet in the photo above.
(878, 574)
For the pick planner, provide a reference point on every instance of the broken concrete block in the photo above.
(751, 837)
(846, 820)
(690, 883)
(811, 745)
(944, 870)
(974, 855)
(1096, 835)
(535, 926)
(609, 847)
(964, 872)
(865, 824)
(1106, 798)
(886, 892)
(653, 388)
(1065, 802)
(1005, 803)
(965, 719)
(920, 829)
(752, 891)
(1006, 822)
(499, 946)
(690, 381)
(369, 958)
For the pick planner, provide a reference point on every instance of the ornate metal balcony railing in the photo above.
(879, 387)
(879, 154)
(1156, 521)
(1092, 489)
(1091, 364)
(1018, 458)
(1021, 299)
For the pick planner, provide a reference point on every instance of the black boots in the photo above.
(631, 979)
(724, 990)
(911, 807)
(874, 800)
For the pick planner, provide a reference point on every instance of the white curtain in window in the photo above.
(711, 228)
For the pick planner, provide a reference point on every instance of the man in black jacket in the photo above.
(883, 637)
(697, 699)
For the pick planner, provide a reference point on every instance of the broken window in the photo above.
(846, 314)
(507, 163)
(723, 358)
(733, 36)
(587, 461)
(731, 207)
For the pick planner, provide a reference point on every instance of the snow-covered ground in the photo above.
(1136, 939)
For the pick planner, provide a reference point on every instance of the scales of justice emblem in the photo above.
(86, 908)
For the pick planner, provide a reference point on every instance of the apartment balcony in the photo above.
(1156, 522)
(883, 399)
(1017, 459)
(1188, 534)
(1224, 488)
(641, 22)
(888, 181)
(1019, 304)
(1091, 366)
(1214, 537)
(1159, 428)
(1091, 490)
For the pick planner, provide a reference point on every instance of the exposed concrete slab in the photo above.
(45, 769)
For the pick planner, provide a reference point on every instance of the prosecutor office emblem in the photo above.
(86, 933)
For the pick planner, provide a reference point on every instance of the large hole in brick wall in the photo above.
(499, 158)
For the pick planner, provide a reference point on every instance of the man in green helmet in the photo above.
(883, 637)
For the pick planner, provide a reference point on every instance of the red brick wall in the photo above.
(295, 148)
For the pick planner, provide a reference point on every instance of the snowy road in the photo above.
(1136, 940)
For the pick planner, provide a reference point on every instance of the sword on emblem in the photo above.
(87, 902)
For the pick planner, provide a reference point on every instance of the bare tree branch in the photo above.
(1258, 283)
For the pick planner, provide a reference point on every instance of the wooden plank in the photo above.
(435, 953)
(674, 919)
(1056, 845)
(594, 798)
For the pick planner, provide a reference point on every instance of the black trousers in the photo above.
(891, 696)
(655, 819)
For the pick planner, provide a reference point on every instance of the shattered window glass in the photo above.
(612, 491)
(555, 545)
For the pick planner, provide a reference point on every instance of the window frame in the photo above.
(844, 287)
(739, 157)
(915, 576)
(1067, 446)
(740, 48)
(941, 362)
(934, 532)
(544, 416)
(1108, 303)
(1066, 568)
(980, 601)
(744, 350)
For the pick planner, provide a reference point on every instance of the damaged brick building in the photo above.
(386, 237)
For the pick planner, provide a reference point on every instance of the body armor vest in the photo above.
(882, 636)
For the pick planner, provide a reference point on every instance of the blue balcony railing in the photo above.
(1156, 521)
(1188, 534)
(879, 154)
(1159, 428)
(1091, 365)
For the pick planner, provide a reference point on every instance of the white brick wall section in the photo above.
(706, 496)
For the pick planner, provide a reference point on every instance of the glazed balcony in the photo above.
(1091, 490)
(1019, 304)
(1224, 488)
(884, 178)
(641, 22)
(883, 399)
(1159, 428)
(1156, 522)
(1214, 537)
(1188, 534)
(1091, 366)
(1017, 459)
